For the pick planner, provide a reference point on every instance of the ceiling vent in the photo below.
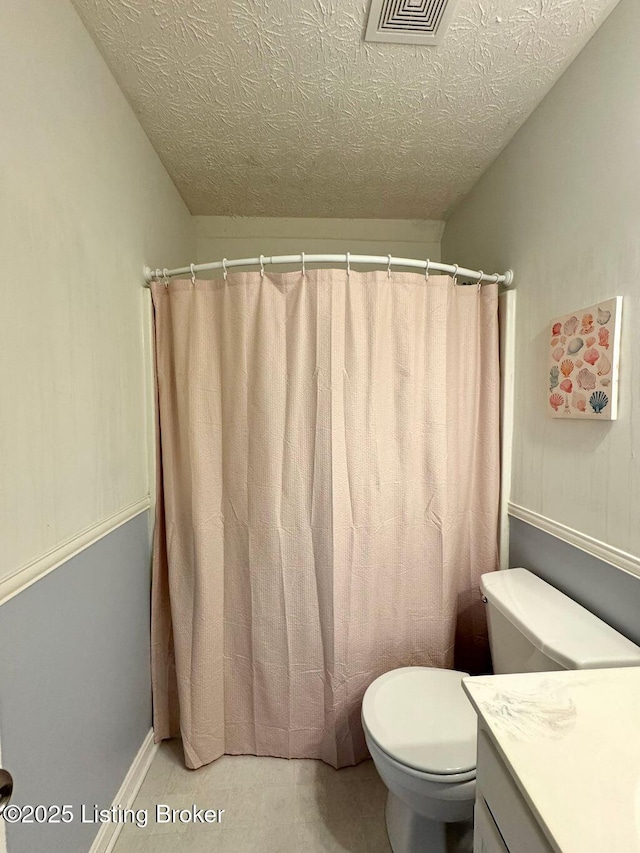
(409, 21)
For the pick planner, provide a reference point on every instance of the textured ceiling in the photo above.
(279, 108)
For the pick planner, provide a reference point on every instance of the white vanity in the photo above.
(558, 761)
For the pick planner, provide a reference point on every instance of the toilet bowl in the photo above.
(421, 732)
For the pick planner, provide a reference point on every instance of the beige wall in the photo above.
(84, 203)
(561, 206)
(237, 237)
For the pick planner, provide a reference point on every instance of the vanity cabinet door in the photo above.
(486, 838)
(517, 825)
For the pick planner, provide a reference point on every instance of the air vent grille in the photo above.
(409, 21)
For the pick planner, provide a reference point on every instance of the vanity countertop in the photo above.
(571, 740)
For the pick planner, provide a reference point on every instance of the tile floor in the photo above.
(271, 806)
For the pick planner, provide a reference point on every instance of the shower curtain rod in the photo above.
(381, 260)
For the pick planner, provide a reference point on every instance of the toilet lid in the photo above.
(422, 718)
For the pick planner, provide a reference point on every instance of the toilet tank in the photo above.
(533, 627)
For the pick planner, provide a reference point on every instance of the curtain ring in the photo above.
(389, 267)
(261, 266)
(348, 264)
(455, 274)
(426, 272)
(193, 273)
(480, 280)
(165, 276)
(304, 272)
(224, 267)
(497, 276)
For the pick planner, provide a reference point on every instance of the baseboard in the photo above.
(108, 833)
(603, 551)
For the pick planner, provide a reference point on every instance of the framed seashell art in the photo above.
(584, 351)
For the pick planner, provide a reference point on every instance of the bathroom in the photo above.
(164, 134)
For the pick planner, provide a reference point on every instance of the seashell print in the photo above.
(558, 353)
(587, 324)
(605, 365)
(603, 338)
(566, 367)
(591, 356)
(591, 341)
(603, 316)
(553, 377)
(586, 379)
(566, 385)
(606, 382)
(571, 325)
(556, 329)
(575, 346)
(579, 402)
(598, 400)
(556, 401)
(555, 341)
(563, 339)
(579, 362)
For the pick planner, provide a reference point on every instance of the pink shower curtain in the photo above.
(328, 498)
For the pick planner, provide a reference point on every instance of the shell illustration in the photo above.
(556, 329)
(571, 325)
(556, 401)
(587, 324)
(579, 362)
(566, 385)
(586, 379)
(575, 346)
(605, 365)
(603, 338)
(555, 341)
(606, 382)
(591, 341)
(553, 377)
(598, 400)
(563, 339)
(591, 356)
(566, 367)
(579, 402)
(603, 316)
(558, 353)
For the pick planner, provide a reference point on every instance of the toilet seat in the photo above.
(421, 775)
(421, 718)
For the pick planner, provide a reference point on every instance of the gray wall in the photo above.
(75, 696)
(605, 590)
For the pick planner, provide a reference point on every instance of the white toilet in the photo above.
(421, 729)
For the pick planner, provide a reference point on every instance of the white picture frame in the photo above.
(583, 364)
